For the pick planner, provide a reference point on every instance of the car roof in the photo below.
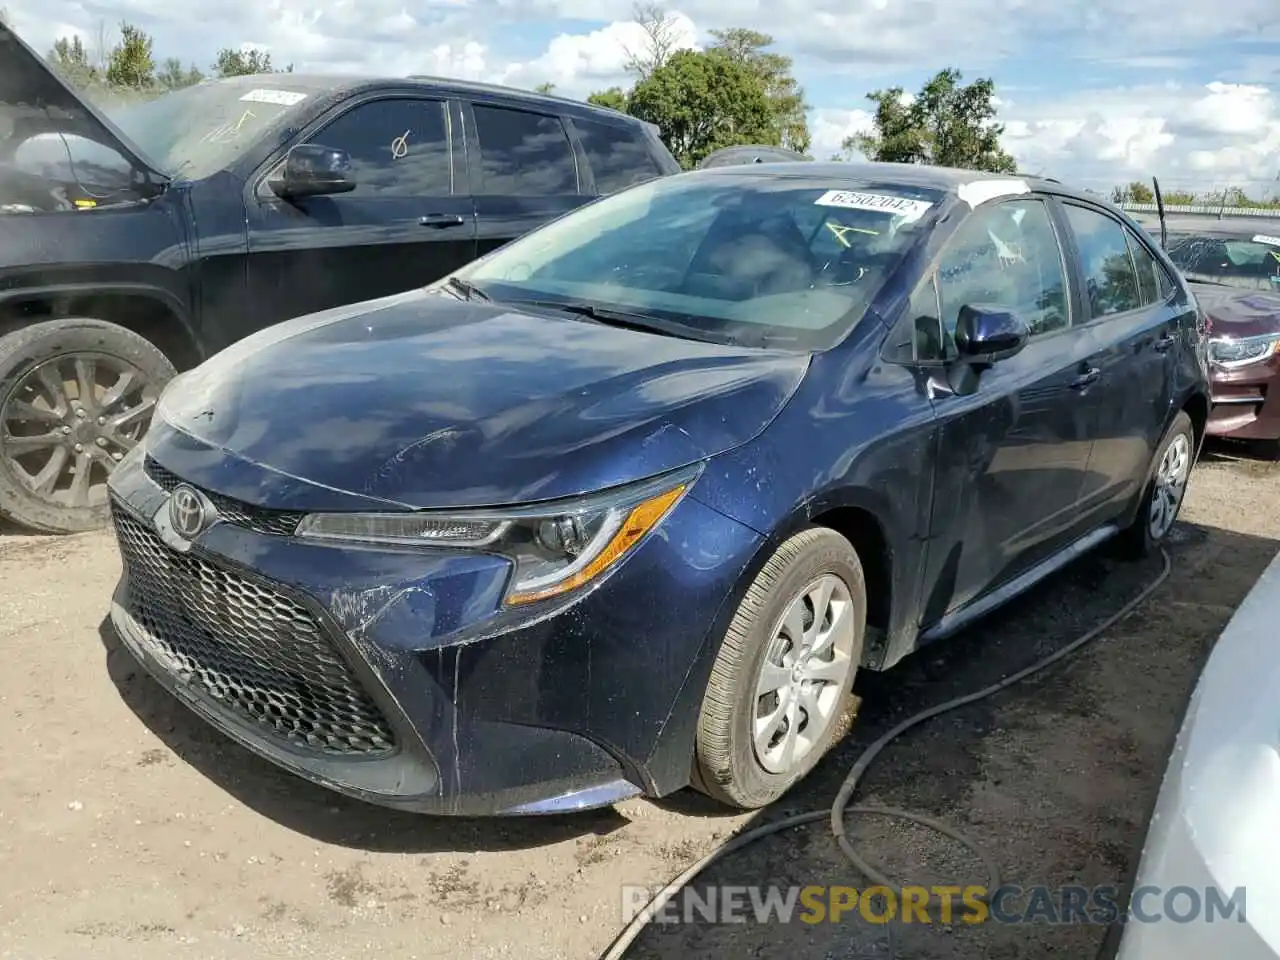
(944, 179)
(346, 84)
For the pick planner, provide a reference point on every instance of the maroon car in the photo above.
(1233, 265)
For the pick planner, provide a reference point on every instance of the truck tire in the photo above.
(76, 395)
(792, 651)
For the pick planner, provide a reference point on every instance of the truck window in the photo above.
(619, 156)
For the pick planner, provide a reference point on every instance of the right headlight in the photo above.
(555, 547)
(1231, 353)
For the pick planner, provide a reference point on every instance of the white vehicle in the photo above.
(1214, 839)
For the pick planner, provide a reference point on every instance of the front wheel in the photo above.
(1165, 491)
(75, 396)
(781, 688)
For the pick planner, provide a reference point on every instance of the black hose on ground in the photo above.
(840, 808)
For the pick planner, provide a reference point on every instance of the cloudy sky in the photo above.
(1185, 89)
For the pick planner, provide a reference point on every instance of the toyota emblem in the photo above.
(187, 512)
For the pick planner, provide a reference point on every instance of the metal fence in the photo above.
(1202, 209)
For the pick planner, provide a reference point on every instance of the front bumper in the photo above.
(1246, 401)
(394, 676)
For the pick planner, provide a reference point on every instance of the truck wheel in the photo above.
(1166, 488)
(781, 687)
(75, 396)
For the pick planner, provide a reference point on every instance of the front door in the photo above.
(1013, 444)
(524, 172)
(1133, 329)
(409, 221)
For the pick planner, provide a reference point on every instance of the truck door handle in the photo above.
(441, 220)
(1164, 343)
(1089, 376)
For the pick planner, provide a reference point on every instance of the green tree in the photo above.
(545, 87)
(703, 101)
(947, 123)
(1134, 192)
(70, 58)
(173, 76)
(786, 97)
(615, 98)
(132, 63)
(243, 63)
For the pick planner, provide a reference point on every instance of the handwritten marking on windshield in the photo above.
(229, 130)
(400, 146)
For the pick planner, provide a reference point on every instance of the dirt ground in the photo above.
(129, 830)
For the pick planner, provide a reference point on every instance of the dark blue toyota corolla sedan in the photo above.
(624, 505)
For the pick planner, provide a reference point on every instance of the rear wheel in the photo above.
(75, 396)
(781, 687)
(1165, 491)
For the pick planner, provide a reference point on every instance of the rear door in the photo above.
(1013, 444)
(523, 171)
(407, 223)
(1132, 328)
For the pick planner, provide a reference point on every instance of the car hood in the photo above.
(424, 400)
(1238, 313)
(34, 99)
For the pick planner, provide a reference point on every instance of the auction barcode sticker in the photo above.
(908, 209)
(284, 98)
(1264, 238)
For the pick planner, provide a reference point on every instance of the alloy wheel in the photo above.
(1169, 486)
(806, 669)
(69, 421)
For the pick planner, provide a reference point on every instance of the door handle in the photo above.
(1089, 376)
(440, 220)
(1165, 342)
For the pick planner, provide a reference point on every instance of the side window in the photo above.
(919, 334)
(399, 148)
(1110, 283)
(1152, 285)
(524, 154)
(1006, 255)
(619, 156)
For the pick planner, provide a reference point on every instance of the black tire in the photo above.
(24, 349)
(1137, 540)
(726, 766)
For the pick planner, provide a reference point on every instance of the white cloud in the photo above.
(1206, 136)
(829, 128)
(1214, 131)
(579, 63)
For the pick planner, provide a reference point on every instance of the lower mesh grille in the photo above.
(255, 652)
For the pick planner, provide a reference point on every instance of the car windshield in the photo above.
(1250, 260)
(760, 258)
(197, 130)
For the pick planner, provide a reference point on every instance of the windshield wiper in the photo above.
(467, 289)
(618, 318)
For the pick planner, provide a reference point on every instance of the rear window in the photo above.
(1251, 261)
(619, 156)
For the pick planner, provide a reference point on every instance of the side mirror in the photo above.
(987, 334)
(311, 170)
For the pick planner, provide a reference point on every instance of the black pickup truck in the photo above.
(135, 241)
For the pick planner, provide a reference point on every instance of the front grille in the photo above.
(279, 523)
(252, 650)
